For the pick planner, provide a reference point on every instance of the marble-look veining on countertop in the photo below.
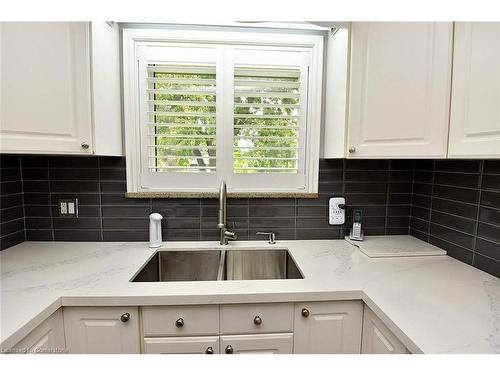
(52, 266)
(433, 304)
(492, 288)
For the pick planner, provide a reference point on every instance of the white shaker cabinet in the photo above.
(399, 93)
(47, 338)
(102, 330)
(60, 88)
(328, 327)
(377, 338)
(475, 104)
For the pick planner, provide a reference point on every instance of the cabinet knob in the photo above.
(257, 320)
(85, 145)
(209, 350)
(229, 349)
(305, 313)
(125, 317)
(179, 323)
(352, 150)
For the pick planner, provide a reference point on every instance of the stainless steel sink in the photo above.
(180, 265)
(203, 265)
(260, 265)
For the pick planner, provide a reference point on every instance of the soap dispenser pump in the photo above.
(155, 239)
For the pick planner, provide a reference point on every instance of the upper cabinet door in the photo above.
(475, 105)
(45, 87)
(399, 89)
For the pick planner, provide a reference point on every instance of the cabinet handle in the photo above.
(179, 323)
(257, 320)
(85, 145)
(229, 349)
(209, 350)
(352, 150)
(305, 313)
(125, 317)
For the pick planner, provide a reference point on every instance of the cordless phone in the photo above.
(356, 231)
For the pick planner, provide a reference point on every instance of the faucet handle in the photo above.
(230, 235)
(271, 237)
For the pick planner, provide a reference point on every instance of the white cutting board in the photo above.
(395, 246)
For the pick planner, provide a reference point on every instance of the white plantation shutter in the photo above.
(179, 117)
(208, 112)
(266, 120)
(269, 132)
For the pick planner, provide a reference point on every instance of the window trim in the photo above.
(132, 38)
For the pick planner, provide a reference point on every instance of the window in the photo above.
(206, 107)
(266, 120)
(181, 118)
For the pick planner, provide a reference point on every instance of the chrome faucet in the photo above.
(225, 235)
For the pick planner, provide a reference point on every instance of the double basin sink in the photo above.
(205, 265)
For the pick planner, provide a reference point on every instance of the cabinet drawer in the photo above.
(180, 320)
(182, 345)
(256, 318)
(274, 343)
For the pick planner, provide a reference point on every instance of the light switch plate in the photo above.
(336, 214)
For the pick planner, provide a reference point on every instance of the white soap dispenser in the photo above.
(155, 230)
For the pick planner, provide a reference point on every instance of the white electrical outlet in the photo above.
(335, 213)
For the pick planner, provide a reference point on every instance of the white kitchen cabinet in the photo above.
(328, 327)
(377, 338)
(60, 88)
(47, 338)
(399, 96)
(337, 69)
(475, 104)
(182, 345)
(107, 330)
(274, 343)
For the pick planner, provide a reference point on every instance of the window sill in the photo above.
(179, 194)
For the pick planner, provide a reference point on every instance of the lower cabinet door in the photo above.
(47, 338)
(182, 345)
(328, 327)
(272, 343)
(377, 338)
(102, 330)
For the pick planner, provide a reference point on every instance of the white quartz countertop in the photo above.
(432, 304)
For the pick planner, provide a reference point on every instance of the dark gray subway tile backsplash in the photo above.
(454, 204)
(12, 230)
(381, 188)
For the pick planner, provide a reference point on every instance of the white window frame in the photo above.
(134, 39)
